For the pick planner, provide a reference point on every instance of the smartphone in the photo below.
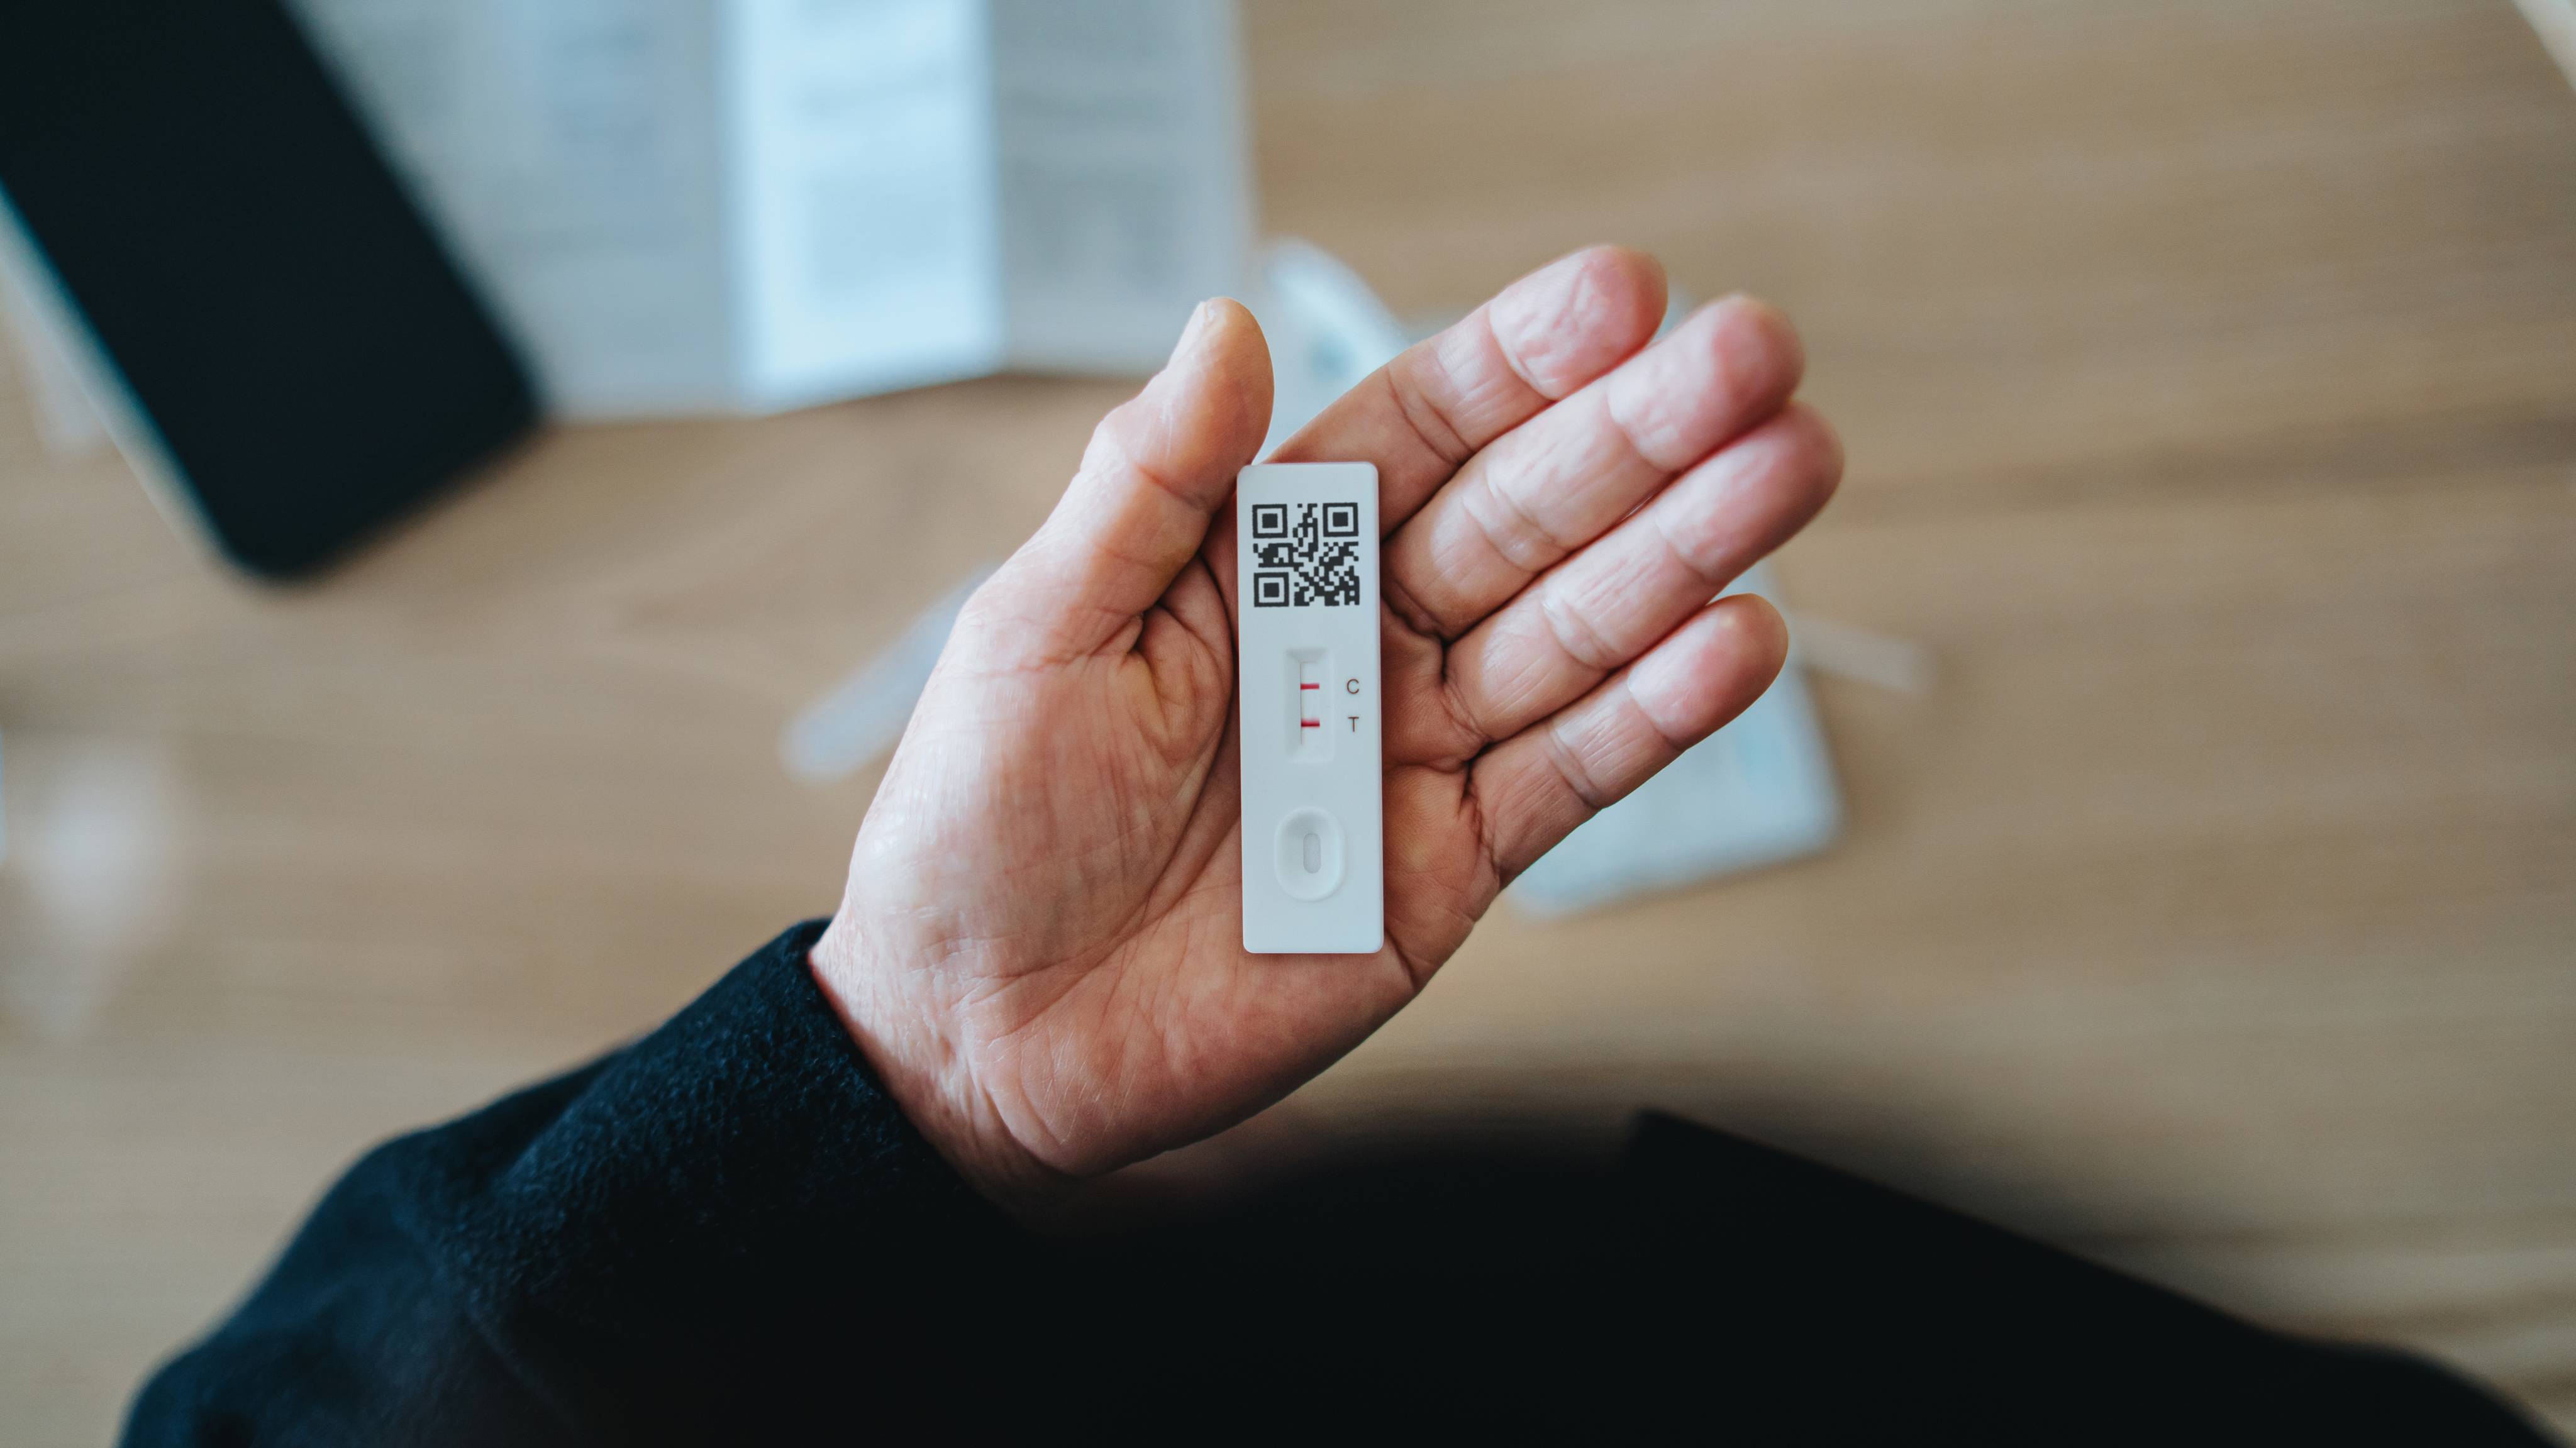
(283, 337)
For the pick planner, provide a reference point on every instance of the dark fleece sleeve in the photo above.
(726, 1233)
(637, 1250)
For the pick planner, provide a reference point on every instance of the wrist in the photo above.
(925, 1062)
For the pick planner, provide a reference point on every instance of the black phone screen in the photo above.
(288, 325)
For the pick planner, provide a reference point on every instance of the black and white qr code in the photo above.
(1305, 555)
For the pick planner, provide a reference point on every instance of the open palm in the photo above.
(1040, 947)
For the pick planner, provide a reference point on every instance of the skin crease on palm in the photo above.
(1040, 947)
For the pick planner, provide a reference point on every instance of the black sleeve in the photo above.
(727, 1233)
(639, 1250)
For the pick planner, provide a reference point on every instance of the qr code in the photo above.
(1305, 555)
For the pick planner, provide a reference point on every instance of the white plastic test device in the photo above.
(1314, 874)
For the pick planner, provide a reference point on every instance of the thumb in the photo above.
(1156, 470)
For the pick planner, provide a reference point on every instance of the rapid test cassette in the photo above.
(1306, 572)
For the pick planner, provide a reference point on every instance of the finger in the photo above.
(1610, 602)
(1417, 418)
(1549, 487)
(1138, 507)
(1537, 340)
(1537, 786)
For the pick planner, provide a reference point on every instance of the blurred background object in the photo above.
(685, 205)
(95, 872)
(211, 244)
(864, 715)
(677, 205)
(2556, 22)
(67, 421)
(2209, 377)
(1326, 329)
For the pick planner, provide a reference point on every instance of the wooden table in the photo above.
(2209, 374)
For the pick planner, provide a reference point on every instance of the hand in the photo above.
(1040, 948)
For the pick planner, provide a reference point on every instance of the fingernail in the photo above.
(1190, 333)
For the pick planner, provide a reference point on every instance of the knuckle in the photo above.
(1574, 632)
(1572, 770)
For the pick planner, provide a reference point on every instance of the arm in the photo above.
(612, 1254)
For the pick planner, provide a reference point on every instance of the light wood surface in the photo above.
(2209, 375)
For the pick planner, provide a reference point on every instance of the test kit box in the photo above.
(692, 205)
